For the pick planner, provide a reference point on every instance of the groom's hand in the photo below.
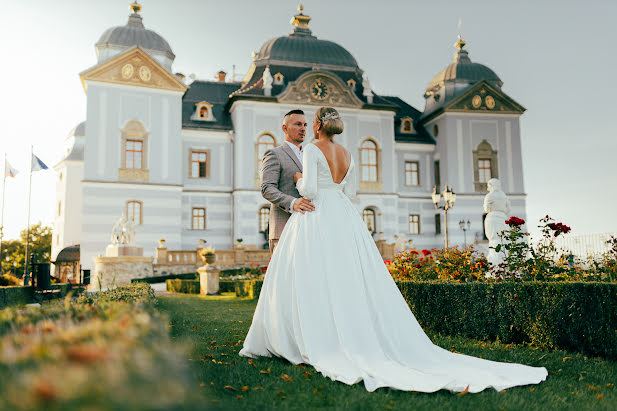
(303, 205)
(297, 177)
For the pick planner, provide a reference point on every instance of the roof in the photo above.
(304, 49)
(68, 254)
(133, 33)
(215, 93)
(419, 135)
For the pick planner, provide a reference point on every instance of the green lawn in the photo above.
(214, 327)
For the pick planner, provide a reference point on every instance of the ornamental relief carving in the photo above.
(137, 72)
(320, 89)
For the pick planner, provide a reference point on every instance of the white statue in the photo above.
(129, 232)
(268, 80)
(123, 232)
(497, 207)
(400, 244)
(367, 92)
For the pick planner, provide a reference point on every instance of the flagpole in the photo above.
(2, 217)
(26, 278)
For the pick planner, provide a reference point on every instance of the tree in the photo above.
(14, 251)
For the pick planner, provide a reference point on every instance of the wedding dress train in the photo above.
(328, 300)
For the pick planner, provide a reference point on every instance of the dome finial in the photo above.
(135, 7)
(300, 22)
(460, 43)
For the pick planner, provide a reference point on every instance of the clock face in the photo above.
(319, 90)
(490, 102)
(144, 73)
(128, 70)
(476, 101)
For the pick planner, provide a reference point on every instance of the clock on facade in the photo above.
(476, 101)
(490, 102)
(319, 90)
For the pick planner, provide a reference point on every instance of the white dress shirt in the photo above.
(298, 152)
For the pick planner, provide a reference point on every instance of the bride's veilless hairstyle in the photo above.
(330, 120)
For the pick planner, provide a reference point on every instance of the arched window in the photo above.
(352, 84)
(264, 218)
(368, 215)
(203, 112)
(484, 165)
(406, 125)
(278, 79)
(134, 212)
(265, 142)
(134, 162)
(368, 161)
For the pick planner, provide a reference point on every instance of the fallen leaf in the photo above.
(239, 397)
(609, 385)
(387, 407)
(229, 387)
(245, 388)
(315, 391)
(600, 396)
(591, 387)
(265, 371)
(85, 354)
(567, 358)
(45, 391)
(212, 383)
(212, 342)
(258, 388)
(286, 378)
(307, 374)
(194, 327)
(202, 384)
(252, 363)
(281, 394)
(460, 394)
(532, 389)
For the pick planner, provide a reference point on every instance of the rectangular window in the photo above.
(133, 212)
(412, 173)
(437, 175)
(484, 170)
(199, 164)
(134, 153)
(437, 223)
(414, 224)
(199, 219)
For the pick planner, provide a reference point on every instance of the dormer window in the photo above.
(203, 112)
(352, 84)
(407, 125)
(278, 79)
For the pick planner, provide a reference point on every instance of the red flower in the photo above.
(426, 252)
(417, 265)
(515, 222)
(413, 252)
(559, 228)
(387, 262)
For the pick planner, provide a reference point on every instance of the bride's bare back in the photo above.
(338, 158)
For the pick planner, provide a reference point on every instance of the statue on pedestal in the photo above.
(497, 207)
(123, 232)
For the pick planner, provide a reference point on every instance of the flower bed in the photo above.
(109, 350)
(570, 315)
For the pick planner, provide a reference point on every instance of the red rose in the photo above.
(387, 262)
(413, 252)
(417, 265)
(515, 221)
(426, 252)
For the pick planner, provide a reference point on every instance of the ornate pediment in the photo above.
(482, 97)
(320, 88)
(134, 67)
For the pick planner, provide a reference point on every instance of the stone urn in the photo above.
(208, 258)
(161, 242)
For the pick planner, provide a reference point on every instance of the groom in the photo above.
(278, 168)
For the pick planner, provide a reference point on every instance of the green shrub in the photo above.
(227, 286)
(9, 279)
(183, 286)
(248, 288)
(15, 295)
(568, 315)
(163, 278)
(110, 350)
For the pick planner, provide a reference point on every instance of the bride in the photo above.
(328, 299)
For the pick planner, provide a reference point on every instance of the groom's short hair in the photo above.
(296, 111)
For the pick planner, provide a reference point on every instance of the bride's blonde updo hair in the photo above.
(330, 120)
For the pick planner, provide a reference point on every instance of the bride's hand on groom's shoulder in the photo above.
(297, 177)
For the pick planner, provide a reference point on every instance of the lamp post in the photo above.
(449, 198)
(465, 225)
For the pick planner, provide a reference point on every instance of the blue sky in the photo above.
(556, 58)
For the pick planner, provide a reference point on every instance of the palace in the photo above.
(181, 159)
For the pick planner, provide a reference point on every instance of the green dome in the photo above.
(463, 69)
(302, 47)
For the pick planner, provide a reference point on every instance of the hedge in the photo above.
(248, 288)
(163, 278)
(21, 295)
(108, 350)
(183, 286)
(573, 316)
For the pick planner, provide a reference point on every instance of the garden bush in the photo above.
(110, 350)
(248, 288)
(574, 316)
(183, 286)
(163, 278)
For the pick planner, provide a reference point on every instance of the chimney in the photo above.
(221, 76)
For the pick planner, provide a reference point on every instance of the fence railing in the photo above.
(585, 245)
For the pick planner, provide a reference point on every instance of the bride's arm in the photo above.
(351, 185)
(307, 185)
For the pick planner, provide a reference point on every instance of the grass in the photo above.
(215, 327)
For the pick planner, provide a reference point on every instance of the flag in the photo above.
(37, 164)
(9, 171)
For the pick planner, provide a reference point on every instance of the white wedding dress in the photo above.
(328, 300)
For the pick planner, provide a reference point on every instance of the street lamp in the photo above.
(449, 198)
(465, 225)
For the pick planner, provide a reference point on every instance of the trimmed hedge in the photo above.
(183, 286)
(163, 278)
(227, 286)
(21, 295)
(573, 316)
(248, 288)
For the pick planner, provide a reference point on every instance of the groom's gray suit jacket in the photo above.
(278, 168)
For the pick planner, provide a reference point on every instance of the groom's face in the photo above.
(295, 128)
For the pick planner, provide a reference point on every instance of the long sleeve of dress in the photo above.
(307, 185)
(351, 184)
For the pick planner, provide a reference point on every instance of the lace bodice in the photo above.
(316, 175)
